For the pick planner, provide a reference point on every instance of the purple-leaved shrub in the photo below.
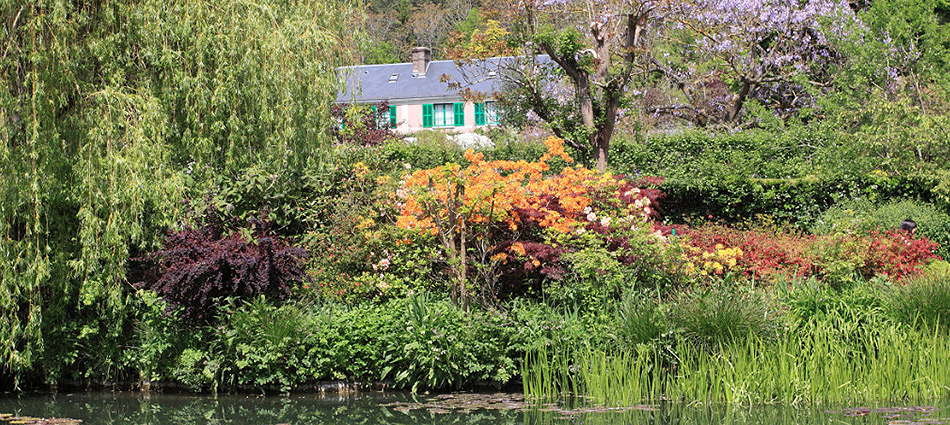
(198, 267)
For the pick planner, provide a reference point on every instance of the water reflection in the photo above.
(168, 409)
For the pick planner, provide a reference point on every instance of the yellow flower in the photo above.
(360, 169)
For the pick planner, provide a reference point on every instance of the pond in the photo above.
(107, 408)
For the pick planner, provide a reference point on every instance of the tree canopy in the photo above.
(110, 111)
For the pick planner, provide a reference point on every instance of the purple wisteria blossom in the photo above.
(723, 53)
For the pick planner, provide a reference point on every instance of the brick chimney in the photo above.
(421, 56)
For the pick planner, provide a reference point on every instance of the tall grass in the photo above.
(923, 302)
(811, 365)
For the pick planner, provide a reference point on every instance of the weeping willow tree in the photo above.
(110, 111)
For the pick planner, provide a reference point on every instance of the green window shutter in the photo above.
(427, 115)
(392, 116)
(459, 109)
(479, 114)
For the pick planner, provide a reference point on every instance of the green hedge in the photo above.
(792, 177)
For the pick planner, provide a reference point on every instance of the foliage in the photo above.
(478, 38)
(198, 267)
(108, 110)
(719, 54)
(834, 258)
(266, 346)
(919, 27)
(362, 125)
(443, 347)
(923, 301)
(791, 174)
(475, 210)
(861, 215)
(723, 315)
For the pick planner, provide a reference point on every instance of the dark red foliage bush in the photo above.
(197, 268)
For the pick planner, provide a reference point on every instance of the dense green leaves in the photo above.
(108, 112)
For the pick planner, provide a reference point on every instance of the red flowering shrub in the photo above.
(763, 254)
(894, 254)
(766, 254)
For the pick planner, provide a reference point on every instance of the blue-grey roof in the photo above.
(371, 83)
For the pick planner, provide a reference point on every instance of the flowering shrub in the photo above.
(489, 214)
(894, 254)
(362, 254)
(718, 261)
(764, 254)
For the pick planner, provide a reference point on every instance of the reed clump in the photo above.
(811, 366)
(800, 344)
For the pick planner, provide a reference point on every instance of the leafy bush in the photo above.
(489, 213)
(722, 315)
(793, 175)
(862, 215)
(432, 150)
(268, 346)
(923, 301)
(198, 267)
(833, 258)
(440, 346)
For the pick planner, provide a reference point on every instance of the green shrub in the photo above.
(722, 315)
(923, 301)
(431, 149)
(862, 215)
(791, 175)
(263, 345)
(438, 345)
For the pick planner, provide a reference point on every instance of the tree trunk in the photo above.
(740, 99)
(463, 292)
(605, 130)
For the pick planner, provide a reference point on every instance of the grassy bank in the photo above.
(810, 367)
(868, 342)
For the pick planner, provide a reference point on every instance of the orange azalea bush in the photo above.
(513, 193)
(482, 211)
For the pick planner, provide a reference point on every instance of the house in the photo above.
(418, 95)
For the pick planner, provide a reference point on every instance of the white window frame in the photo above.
(491, 113)
(445, 112)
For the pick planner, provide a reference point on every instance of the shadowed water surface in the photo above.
(105, 408)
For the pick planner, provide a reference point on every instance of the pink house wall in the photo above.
(409, 119)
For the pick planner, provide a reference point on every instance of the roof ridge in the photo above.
(431, 62)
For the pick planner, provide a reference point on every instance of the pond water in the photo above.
(105, 408)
